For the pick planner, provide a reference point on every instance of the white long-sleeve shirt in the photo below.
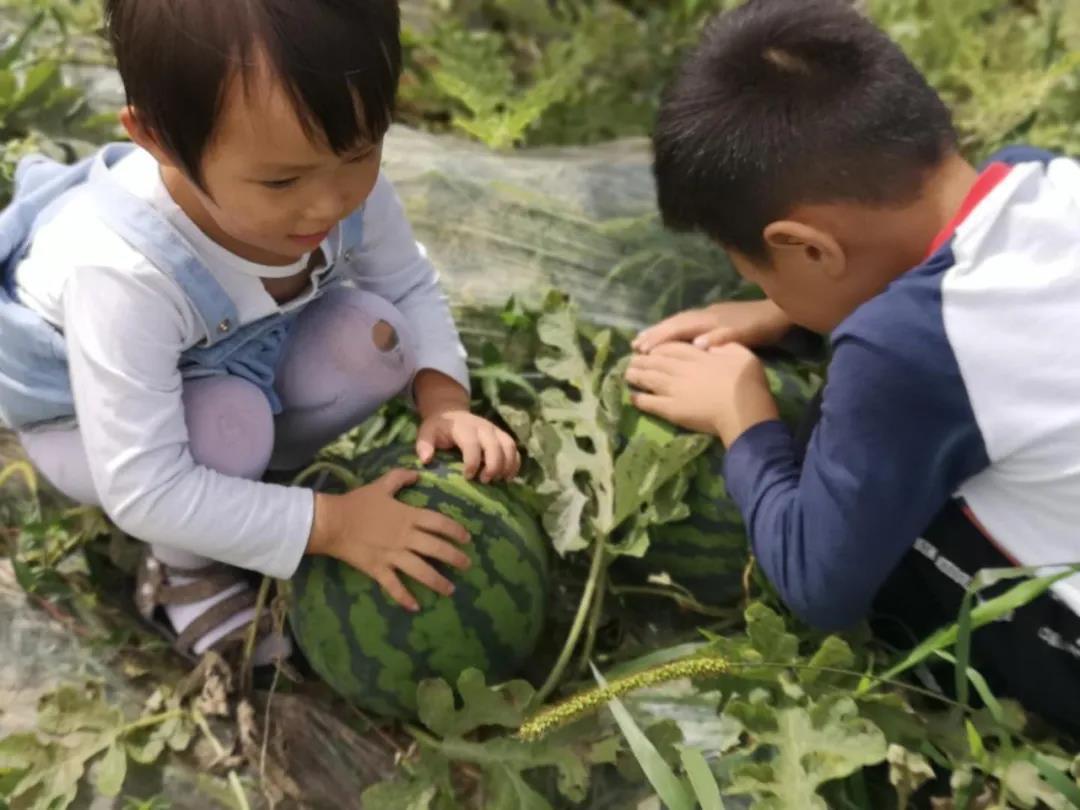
(126, 323)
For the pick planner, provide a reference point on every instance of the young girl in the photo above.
(225, 296)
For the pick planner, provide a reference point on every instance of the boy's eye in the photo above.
(362, 157)
(279, 184)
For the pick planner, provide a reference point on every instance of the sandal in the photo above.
(153, 592)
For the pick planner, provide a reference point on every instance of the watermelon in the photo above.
(707, 552)
(374, 652)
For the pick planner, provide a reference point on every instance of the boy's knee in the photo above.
(230, 425)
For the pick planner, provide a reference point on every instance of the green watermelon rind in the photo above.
(377, 652)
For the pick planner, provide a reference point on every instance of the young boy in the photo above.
(948, 441)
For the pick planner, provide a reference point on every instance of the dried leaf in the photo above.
(908, 772)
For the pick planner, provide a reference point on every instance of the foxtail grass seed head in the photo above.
(573, 708)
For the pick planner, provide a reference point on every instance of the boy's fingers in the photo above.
(678, 351)
(681, 327)
(717, 337)
(652, 362)
(652, 404)
(439, 524)
(395, 590)
(427, 545)
(423, 573)
(655, 381)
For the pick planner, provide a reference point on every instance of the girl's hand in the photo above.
(379, 535)
(447, 423)
(750, 323)
(485, 449)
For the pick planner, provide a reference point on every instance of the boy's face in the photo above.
(822, 266)
(272, 194)
(807, 296)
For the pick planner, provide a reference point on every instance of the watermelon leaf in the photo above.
(645, 466)
(482, 705)
(804, 748)
(510, 791)
(411, 795)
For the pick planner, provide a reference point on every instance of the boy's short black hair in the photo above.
(340, 61)
(788, 102)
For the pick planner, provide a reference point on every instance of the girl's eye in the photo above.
(279, 184)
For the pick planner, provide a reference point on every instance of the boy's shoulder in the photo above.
(1007, 264)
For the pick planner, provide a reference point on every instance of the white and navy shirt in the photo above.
(960, 380)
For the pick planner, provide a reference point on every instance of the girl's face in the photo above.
(272, 193)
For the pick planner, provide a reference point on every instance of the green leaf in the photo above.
(975, 742)
(16, 48)
(660, 775)
(41, 81)
(702, 780)
(482, 705)
(510, 791)
(111, 771)
(1057, 779)
(72, 708)
(146, 748)
(804, 749)
(834, 653)
(768, 635)
(8, 87)
(410, 795)
(644, 467)
(986, 612)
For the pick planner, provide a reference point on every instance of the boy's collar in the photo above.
(988, 180)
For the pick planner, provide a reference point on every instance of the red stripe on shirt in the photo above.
(987, 182)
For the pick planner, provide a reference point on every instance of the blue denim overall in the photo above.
(35, 385)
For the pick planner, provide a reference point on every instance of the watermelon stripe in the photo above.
(374, 652)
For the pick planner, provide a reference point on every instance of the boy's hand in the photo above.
(751, 323)
(485, 449)
(722, 391)
(379, 535)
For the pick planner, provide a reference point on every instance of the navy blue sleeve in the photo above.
(895, 440)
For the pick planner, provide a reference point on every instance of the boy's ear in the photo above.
(141, 135)
(802, 246)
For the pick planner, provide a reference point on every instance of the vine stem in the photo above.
(596, 568)
(595, 613)
(151, 720)
(343, 474)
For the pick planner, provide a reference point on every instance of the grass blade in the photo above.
(702, 780)
(659, 773)
(1057, 780)
(989, 611)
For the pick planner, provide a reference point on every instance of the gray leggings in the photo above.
(342, 361)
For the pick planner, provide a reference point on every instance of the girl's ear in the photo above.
(141, 135)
